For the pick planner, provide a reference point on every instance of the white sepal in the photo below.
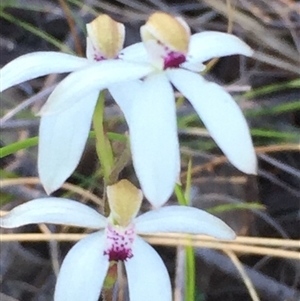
(37, 64)
(97, 77)
(83, 270)
(182, 219)
(62, 138)
(123, 95)
(222, 117)
(148, 277)
(154, 140)
(53, 211)
(210, 44)
(135, 53)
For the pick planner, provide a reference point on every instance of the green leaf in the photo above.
(190, 274)
(274, 134)
(272, 88)
(180, 195)
(279, 109)
(33, 141)
(14, 147)
(239, 206)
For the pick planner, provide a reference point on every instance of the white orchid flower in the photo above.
(168, 56)
(176, 58)
(63, 135)
(85, 267)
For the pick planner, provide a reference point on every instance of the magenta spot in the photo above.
(119, 242)
(98, 57)
(174, 59)
(116, 255)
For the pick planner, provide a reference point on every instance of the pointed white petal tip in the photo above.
(210, 44)
(244, 160)
(250, 169)
(49, 190)
(50, 184)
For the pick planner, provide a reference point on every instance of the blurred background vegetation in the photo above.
(267, 88)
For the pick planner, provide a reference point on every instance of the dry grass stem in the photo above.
(259, 150)
(67, 186)
(239, 266)
(166, 239)
(53, 247)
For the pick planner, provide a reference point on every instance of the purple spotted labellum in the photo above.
(119, 242)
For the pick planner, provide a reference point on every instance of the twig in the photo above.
(72, 26)
(244, 275)
(164, 239)
(4, 297)
(267, 286)
(19, 124)
(289, 169)
(54, 253)
(68, 186)
(267, 175)
(259, 149)
(179, 274)
(37, 97)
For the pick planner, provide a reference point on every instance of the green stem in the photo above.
(187, 192)
(103, 147)
(109, 282)
(190, 275)
(190, 280)
(180, 195)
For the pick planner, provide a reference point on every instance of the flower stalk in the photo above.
(103, 146)
(190, 272)
(109, 282)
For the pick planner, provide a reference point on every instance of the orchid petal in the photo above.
(182, 219)
(37, 64)
(148, 278)
(90, 52)
(62, 140)
(210, 44)
(122, 93)
(83, 270)
(222, 117)
(135, 53)
(193, 66)
(53, 211)
(98, 76)
(154, 140)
